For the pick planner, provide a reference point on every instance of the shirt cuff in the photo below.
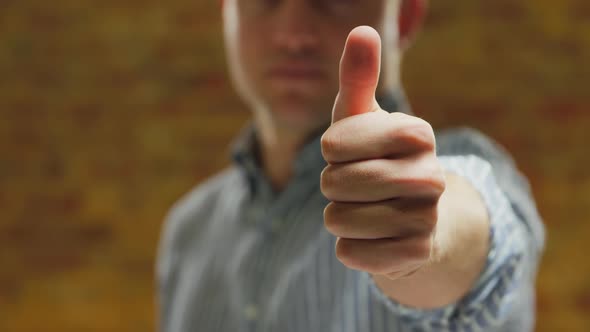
(491, 299)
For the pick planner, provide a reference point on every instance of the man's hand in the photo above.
(386, 188)
(383, 176)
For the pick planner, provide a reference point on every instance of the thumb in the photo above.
(359, 73)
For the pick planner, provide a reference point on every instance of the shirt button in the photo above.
(251, 312)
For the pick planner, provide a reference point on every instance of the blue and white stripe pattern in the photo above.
(235, 256)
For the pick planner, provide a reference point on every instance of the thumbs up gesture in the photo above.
(383, 178)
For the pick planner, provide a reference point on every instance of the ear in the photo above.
(411, 16)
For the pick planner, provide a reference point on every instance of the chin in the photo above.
(294, 116)
(299, 114)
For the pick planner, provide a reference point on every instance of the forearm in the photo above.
(460, 248)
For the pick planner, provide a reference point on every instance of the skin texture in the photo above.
(421, 233)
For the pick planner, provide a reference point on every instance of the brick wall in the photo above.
(110, 110)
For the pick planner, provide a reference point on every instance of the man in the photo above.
(417, 235)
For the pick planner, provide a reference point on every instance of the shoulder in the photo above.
(199, 201)
(192, 213)
(184, 227)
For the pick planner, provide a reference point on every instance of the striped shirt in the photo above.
(236, 256)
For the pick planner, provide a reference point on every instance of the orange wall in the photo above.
(110, 111)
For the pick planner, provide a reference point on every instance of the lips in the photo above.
(296, 72)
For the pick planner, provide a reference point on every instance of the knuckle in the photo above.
(330, 219)
(344, 252)
(437, 177)
(429, 217)
(415, 132)
(424, 135)
(331, 144)
(327, 182)
(431, 175)
(421, 249)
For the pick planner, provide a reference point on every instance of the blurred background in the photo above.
(111, 110)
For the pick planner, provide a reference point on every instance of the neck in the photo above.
(280, 144)
(278, 149)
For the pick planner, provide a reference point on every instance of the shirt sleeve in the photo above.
(503, 297)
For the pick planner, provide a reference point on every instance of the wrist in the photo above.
(460, 248)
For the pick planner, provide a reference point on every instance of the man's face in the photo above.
(284, 54)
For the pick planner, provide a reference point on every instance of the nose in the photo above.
(295, 27)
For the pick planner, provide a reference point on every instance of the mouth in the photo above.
(296, 72)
